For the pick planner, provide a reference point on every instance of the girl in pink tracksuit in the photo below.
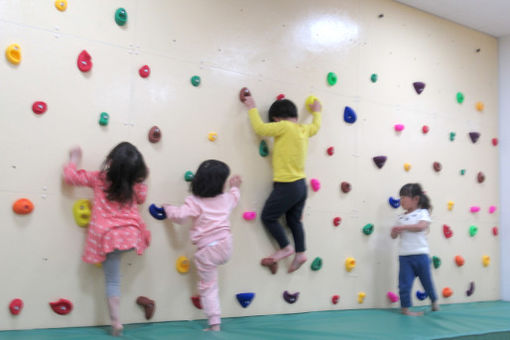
(209, 207)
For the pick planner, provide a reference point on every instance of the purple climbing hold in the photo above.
(471, 289)
(379, 161)
(474, 136)
(290, 298)
(419, 86)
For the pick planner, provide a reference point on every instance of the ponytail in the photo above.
(413, 190)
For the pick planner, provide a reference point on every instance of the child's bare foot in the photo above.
(117, 329)
(270, 263)
(213, 328)
(406, 311)
(282, 253)
(299, 259)
(435, 307)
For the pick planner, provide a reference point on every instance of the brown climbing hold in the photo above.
(480, 177)
(346, 187)
(154, 134)
(437, 166)
(196, 301)
(243, 94)
(148, 305)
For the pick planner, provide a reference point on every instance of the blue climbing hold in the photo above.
(157, 212)
(421, 295)
(349, 115)
(245, 298)
(394, 202)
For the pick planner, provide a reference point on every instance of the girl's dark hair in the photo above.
(210, 178)
(413, 190)
(283, 108)
(124, 166)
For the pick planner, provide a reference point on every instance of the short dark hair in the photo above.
(210, 178)
(413, 190)
(283, 108)
(124, 166)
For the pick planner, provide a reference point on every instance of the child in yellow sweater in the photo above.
(289, 188)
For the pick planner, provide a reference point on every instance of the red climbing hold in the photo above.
(16, 306)
(337, 221)
(39, 108)
(436, 166)
(494, 141)
(346, 187)
(335, 298)
(495, 231)
(280, 96)
(480, 177)
(62, 306)
(84, 61)
(425, 129)
(419, 86)
(144, 71)
(196, 301)
(330, 151)
(447, 231)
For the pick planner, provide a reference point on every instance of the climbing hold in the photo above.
(494, 141)
(492, 209)
(350, 263)
(334, 299)
(332, 78)
(23, 206)
(394, 202)
(462, 172)
(148, 306)
(474, 209)
(473, 230)
(336, 221)
(425, 129)
(39, 107)
(480, 177)
(368, 229)
(309, 101)
(182, 264)
(157, 212)
(84, 61)
(121, 16)
(450, 205)
(399, 127)
(460, 97)
(447, 231)
(82, 212)
(144, 71)
(379, 161)
(315, 184)
(419, 86)
(447, 292)
(103, 118)
(486, 260)
(16, 306)
(290, 298)
(474, 136)
(346, 187)
(349, 115)
(245, 299)
(480, 106)
(212, 136)
(436, 261)
(188, 176)
(249, 215)
(452, 136)
(330, 151)
(373, 77)
(195, 81)
(436, 166)
(495, 231)
(459, 260)
(361, 297)
(61, 5)
(407, 166)
(196, 301)
(316, 264)
(392, 297)
(263, 148)
(471, 289)
(243, 94)
(62, 306)
(280, 96)
(13, 54)
(421, 295)
(154, 134)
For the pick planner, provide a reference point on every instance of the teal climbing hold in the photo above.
(436, 261)
(316, 264)
(368, 229)
(460, 97)
(103, 118)
(473, 230)
(452, 136)
(462, 172)
(188, 176)
(245, 299)
(373, 78)
(121, 16)
(195, 81)
(263, 149)
(332, 78)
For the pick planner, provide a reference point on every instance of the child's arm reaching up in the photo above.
(77, 177)
(316, 109)
(179, 214)
(261, 128)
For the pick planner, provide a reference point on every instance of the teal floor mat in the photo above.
(483, 320)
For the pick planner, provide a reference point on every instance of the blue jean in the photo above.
(412, 266)
(111, 268)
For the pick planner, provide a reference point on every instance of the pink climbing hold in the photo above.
(39, 107)
(425, 129)
(316, 184)
(144, 71)
(474, 209)
(249, 215)
(399, 127)
(280, 96)
(392, 297)
(492, 209)
(336, 221)
(84, 61)
(330, 151)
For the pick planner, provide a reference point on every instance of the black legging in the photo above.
(289, 199)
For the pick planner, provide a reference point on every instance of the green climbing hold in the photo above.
(121, 16)
(263, 149)
(473, 230)
(436, 261)
(452, 136)
(195, 81)
(368, 229)
(103, 118)
(316, 264)
(460, 97)
(373, 77)
(332, 78)
(188, 176)
(462, 172)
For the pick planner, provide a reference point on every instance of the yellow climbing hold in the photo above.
(212, 136)
(361, 297)
(450, 205)
(309, 102)
(350, 263)
(13, 54)
(480, 106)
(407, 166)
(61, 5)
(486, 260)
(82, 211)
(182, 264)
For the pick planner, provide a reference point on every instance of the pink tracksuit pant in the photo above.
(207, 259)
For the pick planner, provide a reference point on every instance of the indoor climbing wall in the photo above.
(407, 97)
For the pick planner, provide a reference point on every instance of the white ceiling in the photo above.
(488, 16)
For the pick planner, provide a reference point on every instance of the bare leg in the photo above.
(282, 253)
(299, 259)
(113, 307)
(213, 328)
(406, 311)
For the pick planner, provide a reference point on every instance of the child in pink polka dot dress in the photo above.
(116, 225)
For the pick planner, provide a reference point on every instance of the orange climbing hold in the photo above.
(447, 292)
(23, 206)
